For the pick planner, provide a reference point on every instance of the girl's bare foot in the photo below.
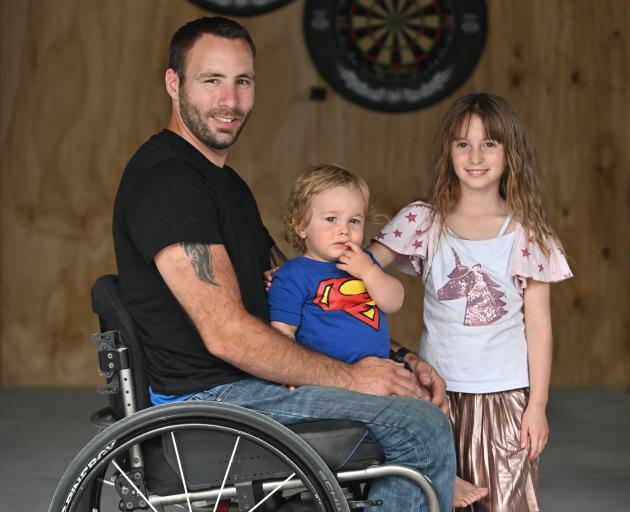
(466, 493)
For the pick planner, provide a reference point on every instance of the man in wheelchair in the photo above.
(191, 250)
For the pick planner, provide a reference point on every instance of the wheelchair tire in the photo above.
(85, 479)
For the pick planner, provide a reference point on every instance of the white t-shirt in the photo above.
(473, 315)
(473, 302)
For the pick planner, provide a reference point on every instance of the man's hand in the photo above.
(430, 382)
(268, 277)
(355, 261)
(383, 377)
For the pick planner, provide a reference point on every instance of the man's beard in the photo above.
(196, 123)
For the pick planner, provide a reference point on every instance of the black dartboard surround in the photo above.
(395, 55)
(241, 7)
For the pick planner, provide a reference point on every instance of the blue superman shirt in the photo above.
(332, 309)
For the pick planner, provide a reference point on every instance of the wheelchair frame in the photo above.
(128, 427)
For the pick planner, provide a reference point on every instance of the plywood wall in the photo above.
(81, 88)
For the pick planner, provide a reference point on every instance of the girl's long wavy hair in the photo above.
(519, 184)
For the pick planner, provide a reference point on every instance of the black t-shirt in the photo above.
(170, 193)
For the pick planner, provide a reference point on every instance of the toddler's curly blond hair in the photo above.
(314, 181)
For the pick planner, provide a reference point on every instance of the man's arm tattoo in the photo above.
(201, 261)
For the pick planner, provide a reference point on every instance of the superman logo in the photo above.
(350, 295)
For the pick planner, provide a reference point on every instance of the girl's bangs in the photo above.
(493, 127)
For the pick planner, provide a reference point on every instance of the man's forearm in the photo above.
(258, 349)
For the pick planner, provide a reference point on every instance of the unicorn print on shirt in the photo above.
(484, 304)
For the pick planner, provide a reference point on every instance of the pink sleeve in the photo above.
(528, 261)
(411, 234)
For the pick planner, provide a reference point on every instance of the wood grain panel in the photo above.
(82, 88)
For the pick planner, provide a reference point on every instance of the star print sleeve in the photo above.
(411, 234)
(528, 261)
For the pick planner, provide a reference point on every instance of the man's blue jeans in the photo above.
(409, 431)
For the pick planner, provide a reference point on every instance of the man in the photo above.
(191, 250)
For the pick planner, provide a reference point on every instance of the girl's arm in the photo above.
(383, 254)
(385, 290)
(539, 348)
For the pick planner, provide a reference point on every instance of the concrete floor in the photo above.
(585, 468)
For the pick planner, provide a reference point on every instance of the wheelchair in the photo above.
(207, 456)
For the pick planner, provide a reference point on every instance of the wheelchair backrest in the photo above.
(114, 316)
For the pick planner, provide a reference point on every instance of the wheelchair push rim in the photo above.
(84, 477)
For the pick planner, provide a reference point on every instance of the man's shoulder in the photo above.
(163, 161)
(163, 147)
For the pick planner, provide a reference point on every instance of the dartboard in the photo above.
(395, 55)
(241, 7)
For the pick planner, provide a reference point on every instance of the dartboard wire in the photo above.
(420, 24)
(373, 52)
(367, 31)
(361, 10)
(375, 9)
(419, 34)
(407, 6)
(432, 9)
(383, 4)
(416, 49)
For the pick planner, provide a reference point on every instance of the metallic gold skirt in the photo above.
(486, 428)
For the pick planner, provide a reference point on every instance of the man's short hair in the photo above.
(186, 36)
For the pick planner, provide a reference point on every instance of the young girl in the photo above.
(486, 255)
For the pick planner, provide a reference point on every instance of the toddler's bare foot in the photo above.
(466, 493)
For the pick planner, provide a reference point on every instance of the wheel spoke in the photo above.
(277, 487)
(181, 472)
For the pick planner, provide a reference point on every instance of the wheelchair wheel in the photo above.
(198, 456)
